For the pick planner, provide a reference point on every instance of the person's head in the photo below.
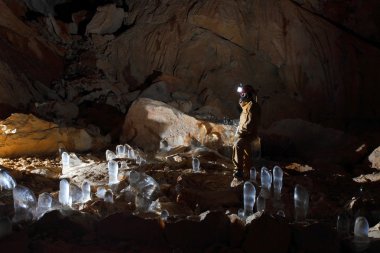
(247, 93)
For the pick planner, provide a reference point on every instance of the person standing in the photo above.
(242, 155)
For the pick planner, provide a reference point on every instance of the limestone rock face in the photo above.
(24, 56)
(149, 121)
(23, 134)
(302, 65)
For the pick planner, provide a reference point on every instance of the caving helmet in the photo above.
(247, 92)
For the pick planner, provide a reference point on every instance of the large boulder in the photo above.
(148, 122)
(25, 134)
(374, 158)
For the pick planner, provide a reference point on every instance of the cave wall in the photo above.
(315, 60)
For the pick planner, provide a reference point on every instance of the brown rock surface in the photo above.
(23, 134)
(26, 58)
(149, 121)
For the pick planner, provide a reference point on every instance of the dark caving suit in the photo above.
(242, 157)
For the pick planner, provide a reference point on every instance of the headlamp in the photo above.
(240, 88)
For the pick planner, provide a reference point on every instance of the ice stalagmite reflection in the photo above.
(252, 174)
(301, 203)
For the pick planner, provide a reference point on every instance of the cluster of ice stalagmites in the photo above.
(270, 190)
(27, 207)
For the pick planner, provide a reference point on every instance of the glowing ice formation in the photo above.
(266, 182)
(361, 228)
(7, 182)
(249, 198)
(120, 151)
(44, 204)
(65, 160)
(76, 194)
(100, 192)
(301, 203)
(24, 203)
(143, 184)
(86, 191)
(164, 215)
(277, 181)
(110, 155)
(361, 240)
(64, 193)
(113, 170)
(196, 164)
(108, 196)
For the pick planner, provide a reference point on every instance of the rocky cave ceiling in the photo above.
(313, 60)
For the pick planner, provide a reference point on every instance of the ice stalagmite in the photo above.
(361, 240)
(64, 193)
(76, 194)
(86, 191)
(44, 204)
(110, 155)
(108, 196)
(24, 203)
(277, 182)
(145, 189)
(196, 164)
(266, 182)
(164, 215)
(7, 182)
(120, 151)
(113, 170)
(249, 198)
(65, 161)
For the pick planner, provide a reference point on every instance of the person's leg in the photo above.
(241, 157)
(247, 158)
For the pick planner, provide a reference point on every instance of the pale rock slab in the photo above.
(374, 158)
(149, 121)
(108, 19)
(25, 134)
